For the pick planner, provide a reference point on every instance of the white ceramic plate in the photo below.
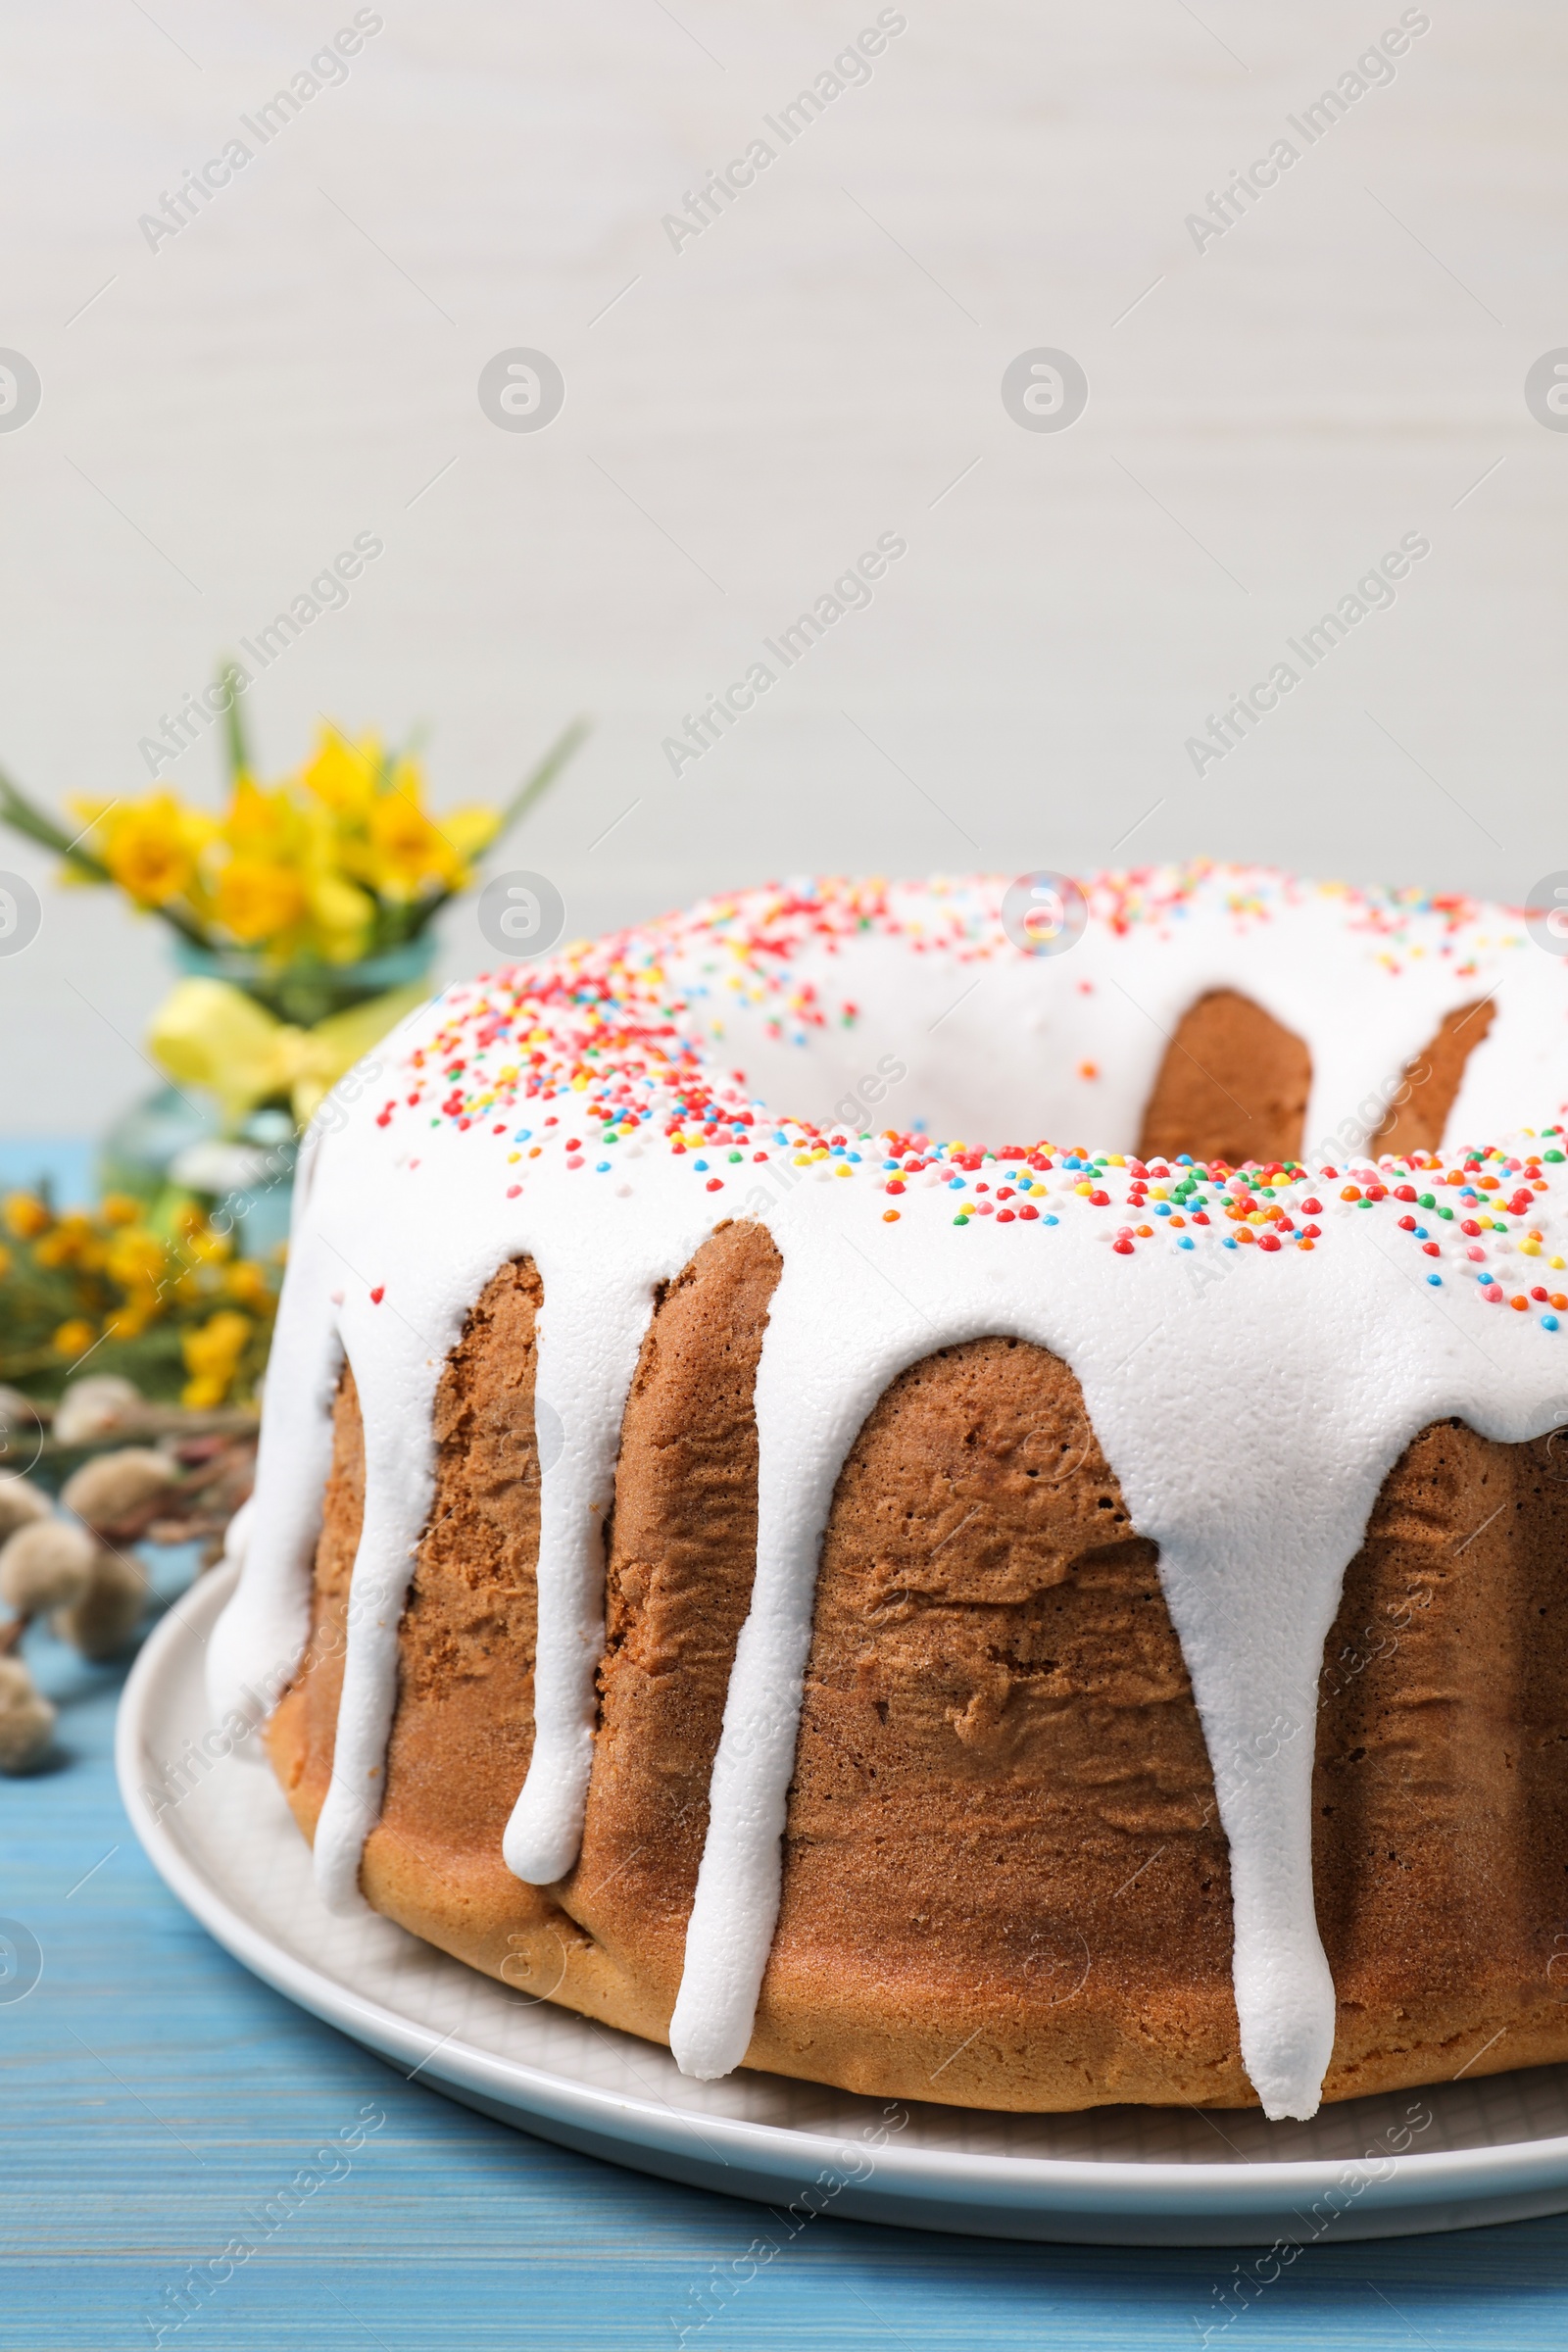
(1452, 2156)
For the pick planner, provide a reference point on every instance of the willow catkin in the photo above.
(46, 1565)
(26, 1719)
(103, 1620)
(111, 1489)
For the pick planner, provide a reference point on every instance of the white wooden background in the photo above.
(221, 415)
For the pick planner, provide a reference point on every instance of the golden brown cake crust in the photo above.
(1004, 1881)
(1441, 1791)
(682, 1549)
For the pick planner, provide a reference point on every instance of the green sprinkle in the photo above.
(1426, 1200)
(1446, 1212)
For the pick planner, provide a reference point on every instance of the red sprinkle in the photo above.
(1123, 1249)
(715, 1184)
(378, 1293)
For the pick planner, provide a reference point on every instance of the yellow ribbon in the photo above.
(209, 1033)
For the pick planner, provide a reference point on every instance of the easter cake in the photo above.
(1004, 1622)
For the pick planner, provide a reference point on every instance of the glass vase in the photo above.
(175, 1145)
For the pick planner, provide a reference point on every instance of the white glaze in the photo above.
(1251, 1406)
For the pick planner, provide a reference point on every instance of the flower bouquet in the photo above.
(301, 919)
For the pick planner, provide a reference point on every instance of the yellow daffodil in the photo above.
(342, 914)
(406, 851)
(151, 847)
(263, 826)
(256, 901)
(336, 863)
(342, 775)
(471, 829)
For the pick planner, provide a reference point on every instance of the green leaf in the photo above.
(234, 736)
(24, 817)
(538, 781)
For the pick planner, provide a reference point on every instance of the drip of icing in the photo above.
(256, 1644)
(590, 1331)
(1250, 1466)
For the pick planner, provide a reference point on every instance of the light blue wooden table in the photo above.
(155, 2099)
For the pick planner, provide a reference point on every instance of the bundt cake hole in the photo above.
(1419, 1112)
(1232, 1085)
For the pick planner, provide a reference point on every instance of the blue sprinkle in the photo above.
(955, 1183)
(1436, 1281)
(890, 1164)
(701, 1163)
(1185, 1243)
(524, 1135)
(1162, 1209)
(1051, 1221)
(1184, 1159)
(603, 1168)
(856, 1157)
(1549, 1322)
(1420, 1232)
(1230, 1241)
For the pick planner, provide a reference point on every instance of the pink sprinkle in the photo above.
(512, 1190)
(337, 1298)
(1493, 1291)
(380, 1293)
